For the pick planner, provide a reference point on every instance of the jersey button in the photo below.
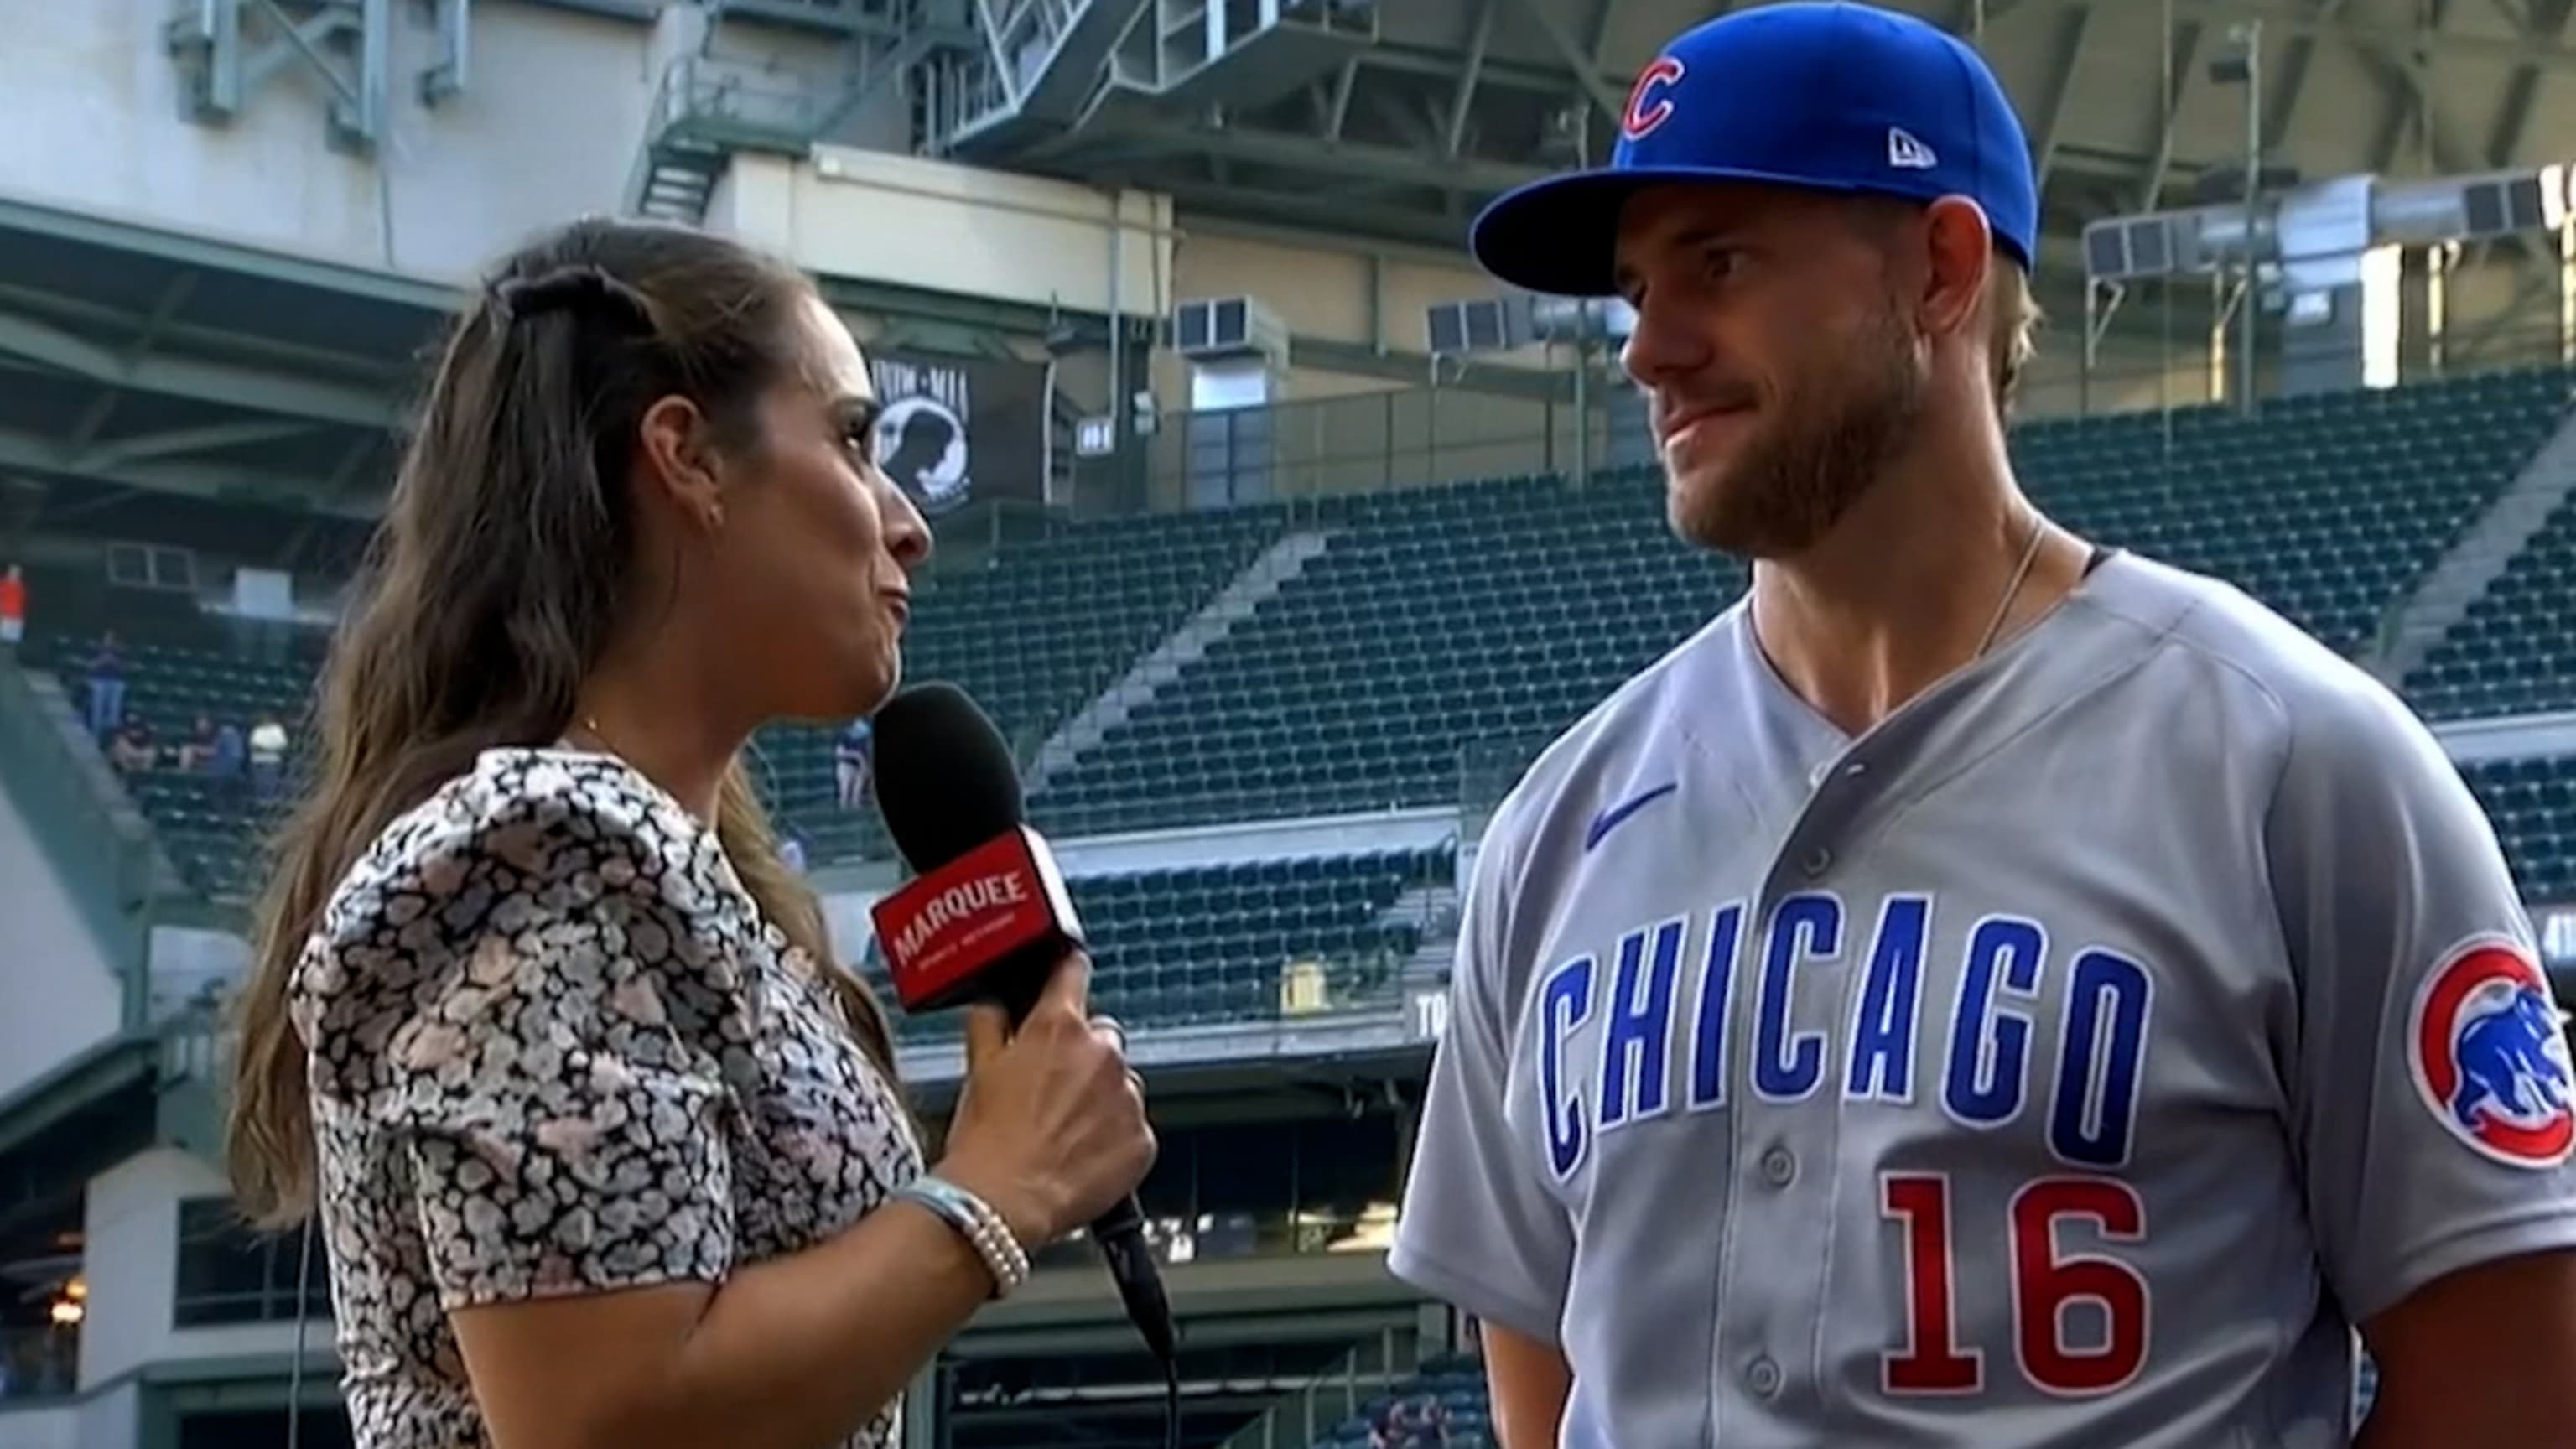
(1818, 861)
(1778, 1167)
(1764, 1376)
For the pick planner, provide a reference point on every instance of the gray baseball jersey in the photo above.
(2070, 1060)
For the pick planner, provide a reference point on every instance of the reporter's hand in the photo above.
(1050, 1124)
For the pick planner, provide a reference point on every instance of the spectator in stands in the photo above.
(850, 762)
(13, 609)
(230, 758)
(268, 745)
(606, 1146)
(1411, 1423)
(106, 682)
(197, 751)
(131, 750)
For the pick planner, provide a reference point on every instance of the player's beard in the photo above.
(1827, 437)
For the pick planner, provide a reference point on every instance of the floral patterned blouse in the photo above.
(555, 1048)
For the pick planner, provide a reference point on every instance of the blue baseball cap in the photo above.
(1830, 96)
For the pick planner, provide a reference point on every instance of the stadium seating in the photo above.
(1438, 616)
(1455, 1383)
(1040, 629)
(1214, 943)
(2533, 805)
(2515, 653)
(1485, 616)
(1452, 1386)
(1045, 627)
(1503, 610)
(2326, 506)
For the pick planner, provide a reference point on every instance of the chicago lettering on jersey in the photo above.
(1636, 1033)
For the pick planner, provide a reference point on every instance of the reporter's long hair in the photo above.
(493, 586)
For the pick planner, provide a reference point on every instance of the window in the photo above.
(230, 1274)
(149, 566)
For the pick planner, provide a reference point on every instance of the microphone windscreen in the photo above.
(944, 778)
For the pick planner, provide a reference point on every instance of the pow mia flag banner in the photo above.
(960, 430)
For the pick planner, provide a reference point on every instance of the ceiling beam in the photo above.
(1608, 97)
(222, 482)
(434, 299)
(129, 332)
(2077, 28)
(181, 442)
(1338, 114)
(2513, 115)
(2300, 57)
(199, 379)
(2286, 20)
(2186, 69)
(1463, 97)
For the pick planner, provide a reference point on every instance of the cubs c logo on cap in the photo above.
(2490, 1060)
(1648, 106)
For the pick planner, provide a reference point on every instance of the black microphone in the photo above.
(986, 917)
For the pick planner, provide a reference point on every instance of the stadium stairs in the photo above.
(2513, 650)
(101, 846)
(1238, 601)
(2464, 575)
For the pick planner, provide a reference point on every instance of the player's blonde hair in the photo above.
(2013, 316)
(2013, 319)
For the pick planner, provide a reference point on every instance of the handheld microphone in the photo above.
(986, 917)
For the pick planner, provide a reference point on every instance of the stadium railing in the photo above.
(196, 1058)
(1305, 1416)
(107, 864)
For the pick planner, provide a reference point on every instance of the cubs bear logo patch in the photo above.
(2490, 1055)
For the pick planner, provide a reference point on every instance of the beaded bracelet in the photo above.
(975, 1220)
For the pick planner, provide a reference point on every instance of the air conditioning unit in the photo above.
(2501, 206)
(1500, 324)
(2415, 212)
(1582, 319)
(1214, 328)
(1478, 324)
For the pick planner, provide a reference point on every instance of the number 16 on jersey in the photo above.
(2050, 1288)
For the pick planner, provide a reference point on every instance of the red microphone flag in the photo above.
(946, 927)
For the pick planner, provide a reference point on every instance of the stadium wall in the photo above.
(107, 1420)
(59, 995)
(961, 230)
(550, 125)
(130, 1258)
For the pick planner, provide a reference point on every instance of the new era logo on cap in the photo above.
(1908, 154)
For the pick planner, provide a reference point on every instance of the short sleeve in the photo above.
(1478, 1228)
(543, 1082)
(2430, 1092)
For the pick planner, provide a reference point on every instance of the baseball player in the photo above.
(1983, 989)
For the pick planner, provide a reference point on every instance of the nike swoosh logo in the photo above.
(1609, 820)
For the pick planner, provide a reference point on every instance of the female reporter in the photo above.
(606, 1148)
